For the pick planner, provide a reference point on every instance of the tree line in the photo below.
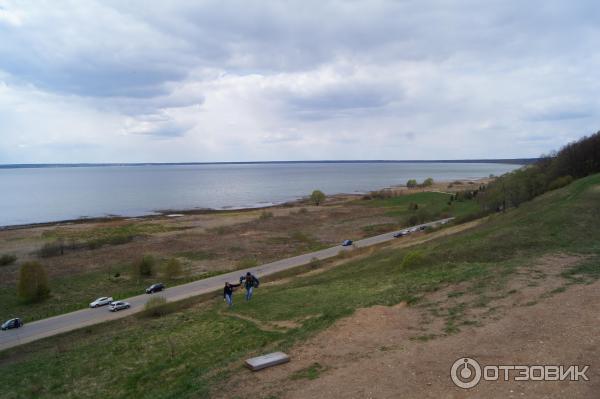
(573, 161)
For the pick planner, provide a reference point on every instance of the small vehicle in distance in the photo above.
(12, 323)
(155, 288)
(346, 243)
(118, 305)
(422, 228)
(401, 234)
(103, 301)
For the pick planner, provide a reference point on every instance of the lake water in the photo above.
(34, 195)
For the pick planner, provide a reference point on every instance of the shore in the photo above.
(441, 186)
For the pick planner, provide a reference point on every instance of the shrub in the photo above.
(51, 249)
(413, 206)
(7, 259)
(144, 267)
(157, 306)
(33, 283)
(412, 259)
(173, 268)
(317, 197)
(428, 182)
(411, 183)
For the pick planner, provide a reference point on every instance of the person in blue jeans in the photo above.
(228, 293)
(249, 283)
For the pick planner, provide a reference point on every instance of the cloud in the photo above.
(240, 80)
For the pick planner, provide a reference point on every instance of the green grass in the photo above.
(186, 353)
(436, 204)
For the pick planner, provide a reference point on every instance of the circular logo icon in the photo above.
(465, 373)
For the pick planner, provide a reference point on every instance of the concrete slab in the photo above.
(271, 359)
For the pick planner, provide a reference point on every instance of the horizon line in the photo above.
(101, 164)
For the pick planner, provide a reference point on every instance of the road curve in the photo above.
(86, 317)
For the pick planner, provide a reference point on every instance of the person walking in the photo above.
(228, 293)
(250, 282)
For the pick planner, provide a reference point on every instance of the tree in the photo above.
(33, 282)
(428, 182)
(173, 268)
(411, 183)
(317, 197)
(144, 267)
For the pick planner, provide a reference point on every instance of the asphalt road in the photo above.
(85, 317)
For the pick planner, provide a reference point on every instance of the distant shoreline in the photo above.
(164, 213)
(515, 161)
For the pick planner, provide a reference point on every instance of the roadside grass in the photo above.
(430, 206)
(194, 350)
(76, 292)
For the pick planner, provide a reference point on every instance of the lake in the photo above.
(35, 195)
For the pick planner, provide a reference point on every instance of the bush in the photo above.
(144, 267)
(411, 183)
(7, 259)
(51, 249)
(157, 306)
(413, 206)
(413, 259)
(33, 283)
(173, 268)
(317, 197)
(428, 182)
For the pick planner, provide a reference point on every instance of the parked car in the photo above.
(346, 243)
(12, 323)
(103, 301)
(118, 305)
(422, 228)
(401, 234)
(155, 288)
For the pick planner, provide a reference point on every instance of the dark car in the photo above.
(12, 323)
(155, 288)
(347, 243)
(422, 228)
(400, 234)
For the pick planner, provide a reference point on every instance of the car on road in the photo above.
(102, 301)
(422, 228)
(12, 323)
(155, 288)
(346, 243)
(401, 234)
(118, 305)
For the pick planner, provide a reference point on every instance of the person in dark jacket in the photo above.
(228, 293)
(249, 283)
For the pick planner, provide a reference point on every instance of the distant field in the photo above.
(197, 349)
(96, 258)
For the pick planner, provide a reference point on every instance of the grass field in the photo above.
(189, 352)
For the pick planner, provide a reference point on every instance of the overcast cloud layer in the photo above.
(145, 81)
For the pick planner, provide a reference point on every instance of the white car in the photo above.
(105, 300)
(118, 305)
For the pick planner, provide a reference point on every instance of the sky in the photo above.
(206, 81)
